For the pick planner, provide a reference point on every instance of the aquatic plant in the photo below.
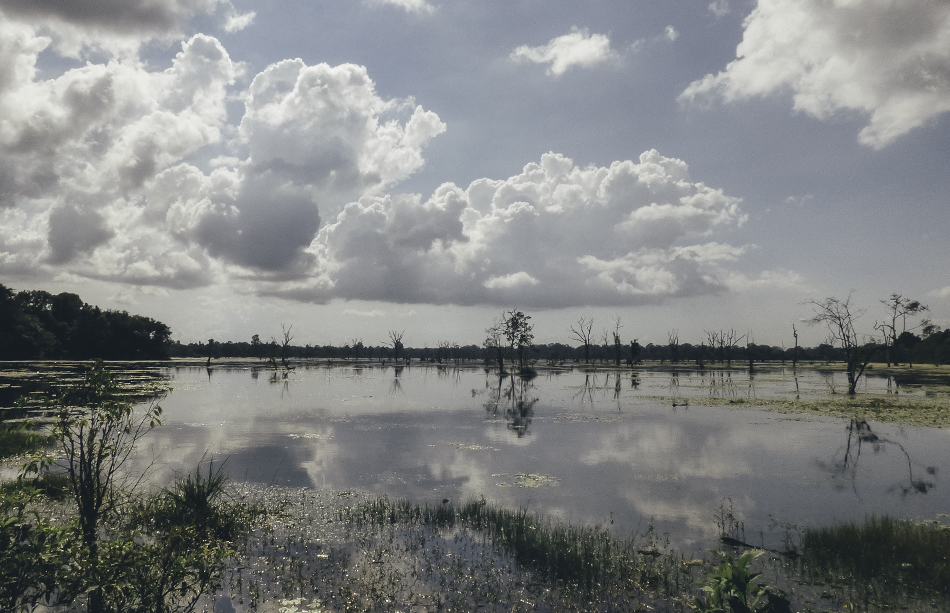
(731, 582)
(882, 558)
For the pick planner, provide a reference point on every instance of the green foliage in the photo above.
(118, 552)
(587, 558)
(38, 325)
(731, 583)
(894, 556)
(29, 552)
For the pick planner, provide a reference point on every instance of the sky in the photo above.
(351, 167)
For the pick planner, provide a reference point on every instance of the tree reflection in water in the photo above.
(511, 398)
(860, 434)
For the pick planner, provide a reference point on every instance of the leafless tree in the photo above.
(618, 346)
(673, 338)
(898, 310)
(795, 350)
(836, 314)
(395, 341)
(443, 351)
(582, 332)
(285, 344)
(495, 341)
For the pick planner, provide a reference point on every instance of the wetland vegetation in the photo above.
(505, 477)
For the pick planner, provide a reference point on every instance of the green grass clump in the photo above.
(17, 441)
(894, 557)
(588, 558)
(199, 502)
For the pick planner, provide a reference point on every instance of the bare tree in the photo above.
(673, 338)
(395, 341)
(582, 332)
(285, 345)
(443, 351)
(898, 310)
(837, 316)
(618, 346)
(715, 341)
(495, 341)
(795, 350)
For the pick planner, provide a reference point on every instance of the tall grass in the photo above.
(585, 557)
(17, 441)
(884, 556)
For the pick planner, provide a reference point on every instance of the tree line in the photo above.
(37, 325)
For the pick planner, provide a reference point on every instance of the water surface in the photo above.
(581, 447)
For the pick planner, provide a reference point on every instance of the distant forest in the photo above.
(37, 325)
(910, 348)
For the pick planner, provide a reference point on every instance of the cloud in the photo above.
(236, 22)
(95, 181)
(719, 8)
(579, 48)
(410, 6)
(671, 34)
(943, 292)
(103, 178)
(115, 25)
(358, 313)
(888, 60)
(554, 235)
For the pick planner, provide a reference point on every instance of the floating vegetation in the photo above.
(882, 560)
(357, 553)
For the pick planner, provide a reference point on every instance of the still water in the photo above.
(579, 447)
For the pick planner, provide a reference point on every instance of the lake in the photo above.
(592, 448)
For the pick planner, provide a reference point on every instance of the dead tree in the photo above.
(837, 316)
(582, 332)
(674, 345)
(795, 350)
(285, 345)
(899, 309)
(618, 346)
(495, 343)
(395, 341)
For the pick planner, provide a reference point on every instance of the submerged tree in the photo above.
(395, 341)
(495, 342)
(582, 332)
(898, 310)
(836, 314)
(519, 334)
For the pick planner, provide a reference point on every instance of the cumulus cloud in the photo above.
(102, 178)
(889, 60)
(94, 177)
(115, 24)
(579, 48)
(554, 235)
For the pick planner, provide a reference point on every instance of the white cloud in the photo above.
(890, 60)
(410, 6)
(94, 180)
(236, 22)
(579, 48)
(943, 292)
(358, 313)
(719, 8)
(514, 280)
(554, 235)
(671, 33)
